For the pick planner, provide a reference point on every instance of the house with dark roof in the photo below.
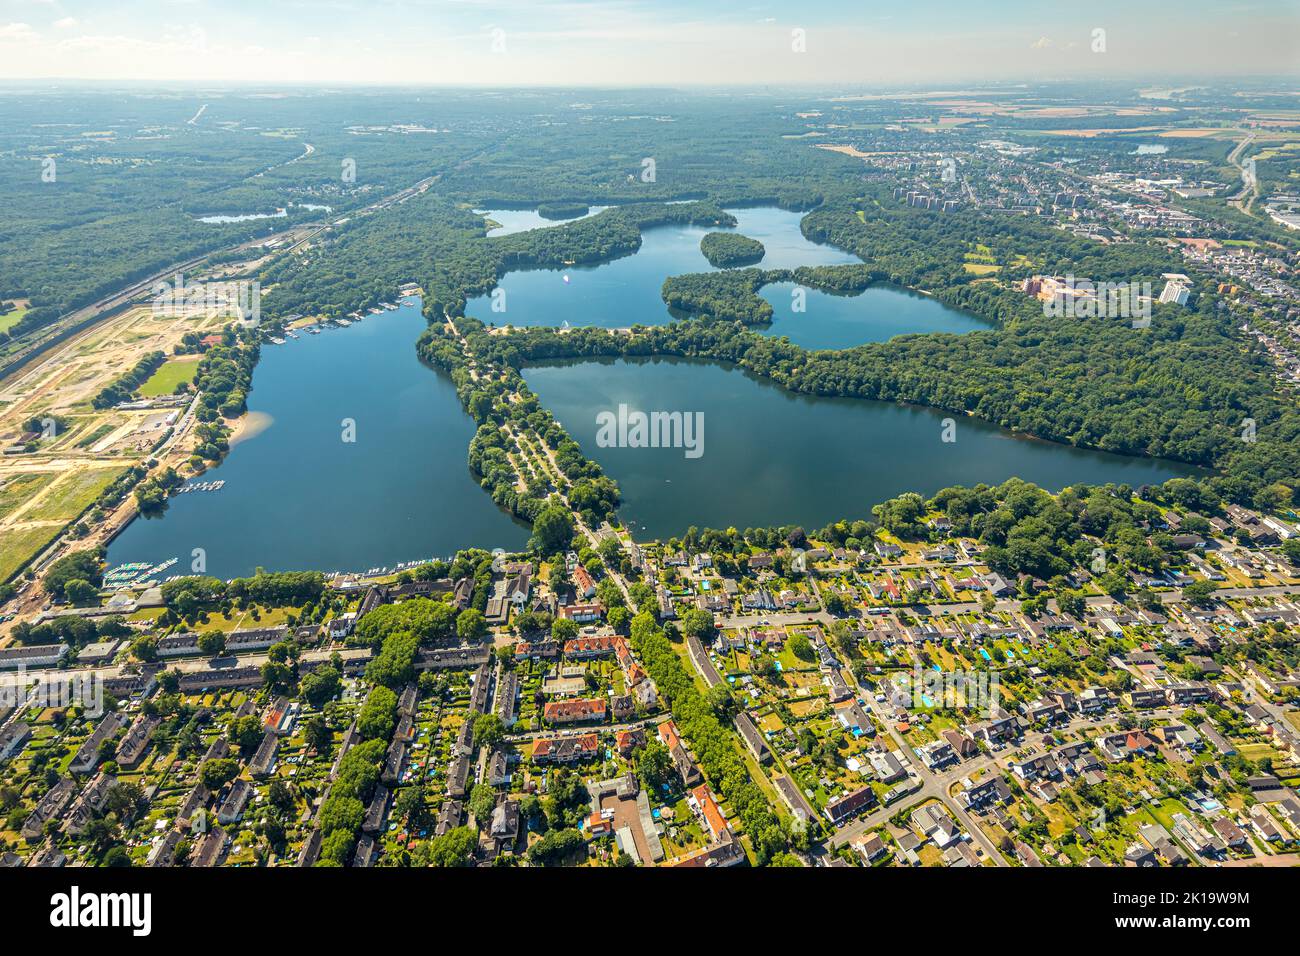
(13, 739)
(849, 805)
(726, 852)
(237, 798)
(264, 759)
(450, 817)
(1125, 744)
(196, 802)
(686, 768)
(310, 849)
(507, 697)
(394, 762)
(753, 737)
(366, 853)
(1142, 698)
(49, 807)
(497, 772)
(963, 747)
(133, 746)
(376, 810)
(163, 851)
(87, 756)
(990, 790)
(32, 655)
(503, 827)
(210, 848)
(794, 798)
(452, 658)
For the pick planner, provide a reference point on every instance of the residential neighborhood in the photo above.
(898, 704)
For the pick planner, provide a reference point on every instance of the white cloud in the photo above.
(18, 33)
(67, 23)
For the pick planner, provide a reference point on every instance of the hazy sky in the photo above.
(659, 42)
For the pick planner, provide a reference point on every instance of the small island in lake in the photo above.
(562, 210)
(725, 250)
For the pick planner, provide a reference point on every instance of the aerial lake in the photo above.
(771, 457)
(509, 221)
(247, 217)
(626, 291)
(837, 321)
(296, 496)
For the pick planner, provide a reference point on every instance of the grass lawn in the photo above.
(19, 488)
(10, 319)
(19, 544)
(930, 855)
(1164, 812)
(244, 620)
(981, 268)
(73, 494)
(168, 376)
(1059, 819)
(1258, 751)
(95, 434)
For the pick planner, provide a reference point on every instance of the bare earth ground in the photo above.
(93, 446)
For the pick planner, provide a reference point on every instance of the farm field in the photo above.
(72, 495)
(19, 544)
(20, 488)
(170, 375)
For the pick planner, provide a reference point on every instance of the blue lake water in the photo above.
(509, 221)
(833, 321)
(246, 217)
(770, 456)
(298, 497)
(626, 291)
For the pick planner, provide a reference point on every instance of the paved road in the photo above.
(934, 785)
(1249, 182)
(594, 729)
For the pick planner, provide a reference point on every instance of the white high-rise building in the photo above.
(1178, 288)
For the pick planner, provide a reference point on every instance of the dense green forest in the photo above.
(562, 210)
(726, 250)
(101, 189)
(1180, 389)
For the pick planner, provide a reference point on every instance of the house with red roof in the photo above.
(574, 711)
